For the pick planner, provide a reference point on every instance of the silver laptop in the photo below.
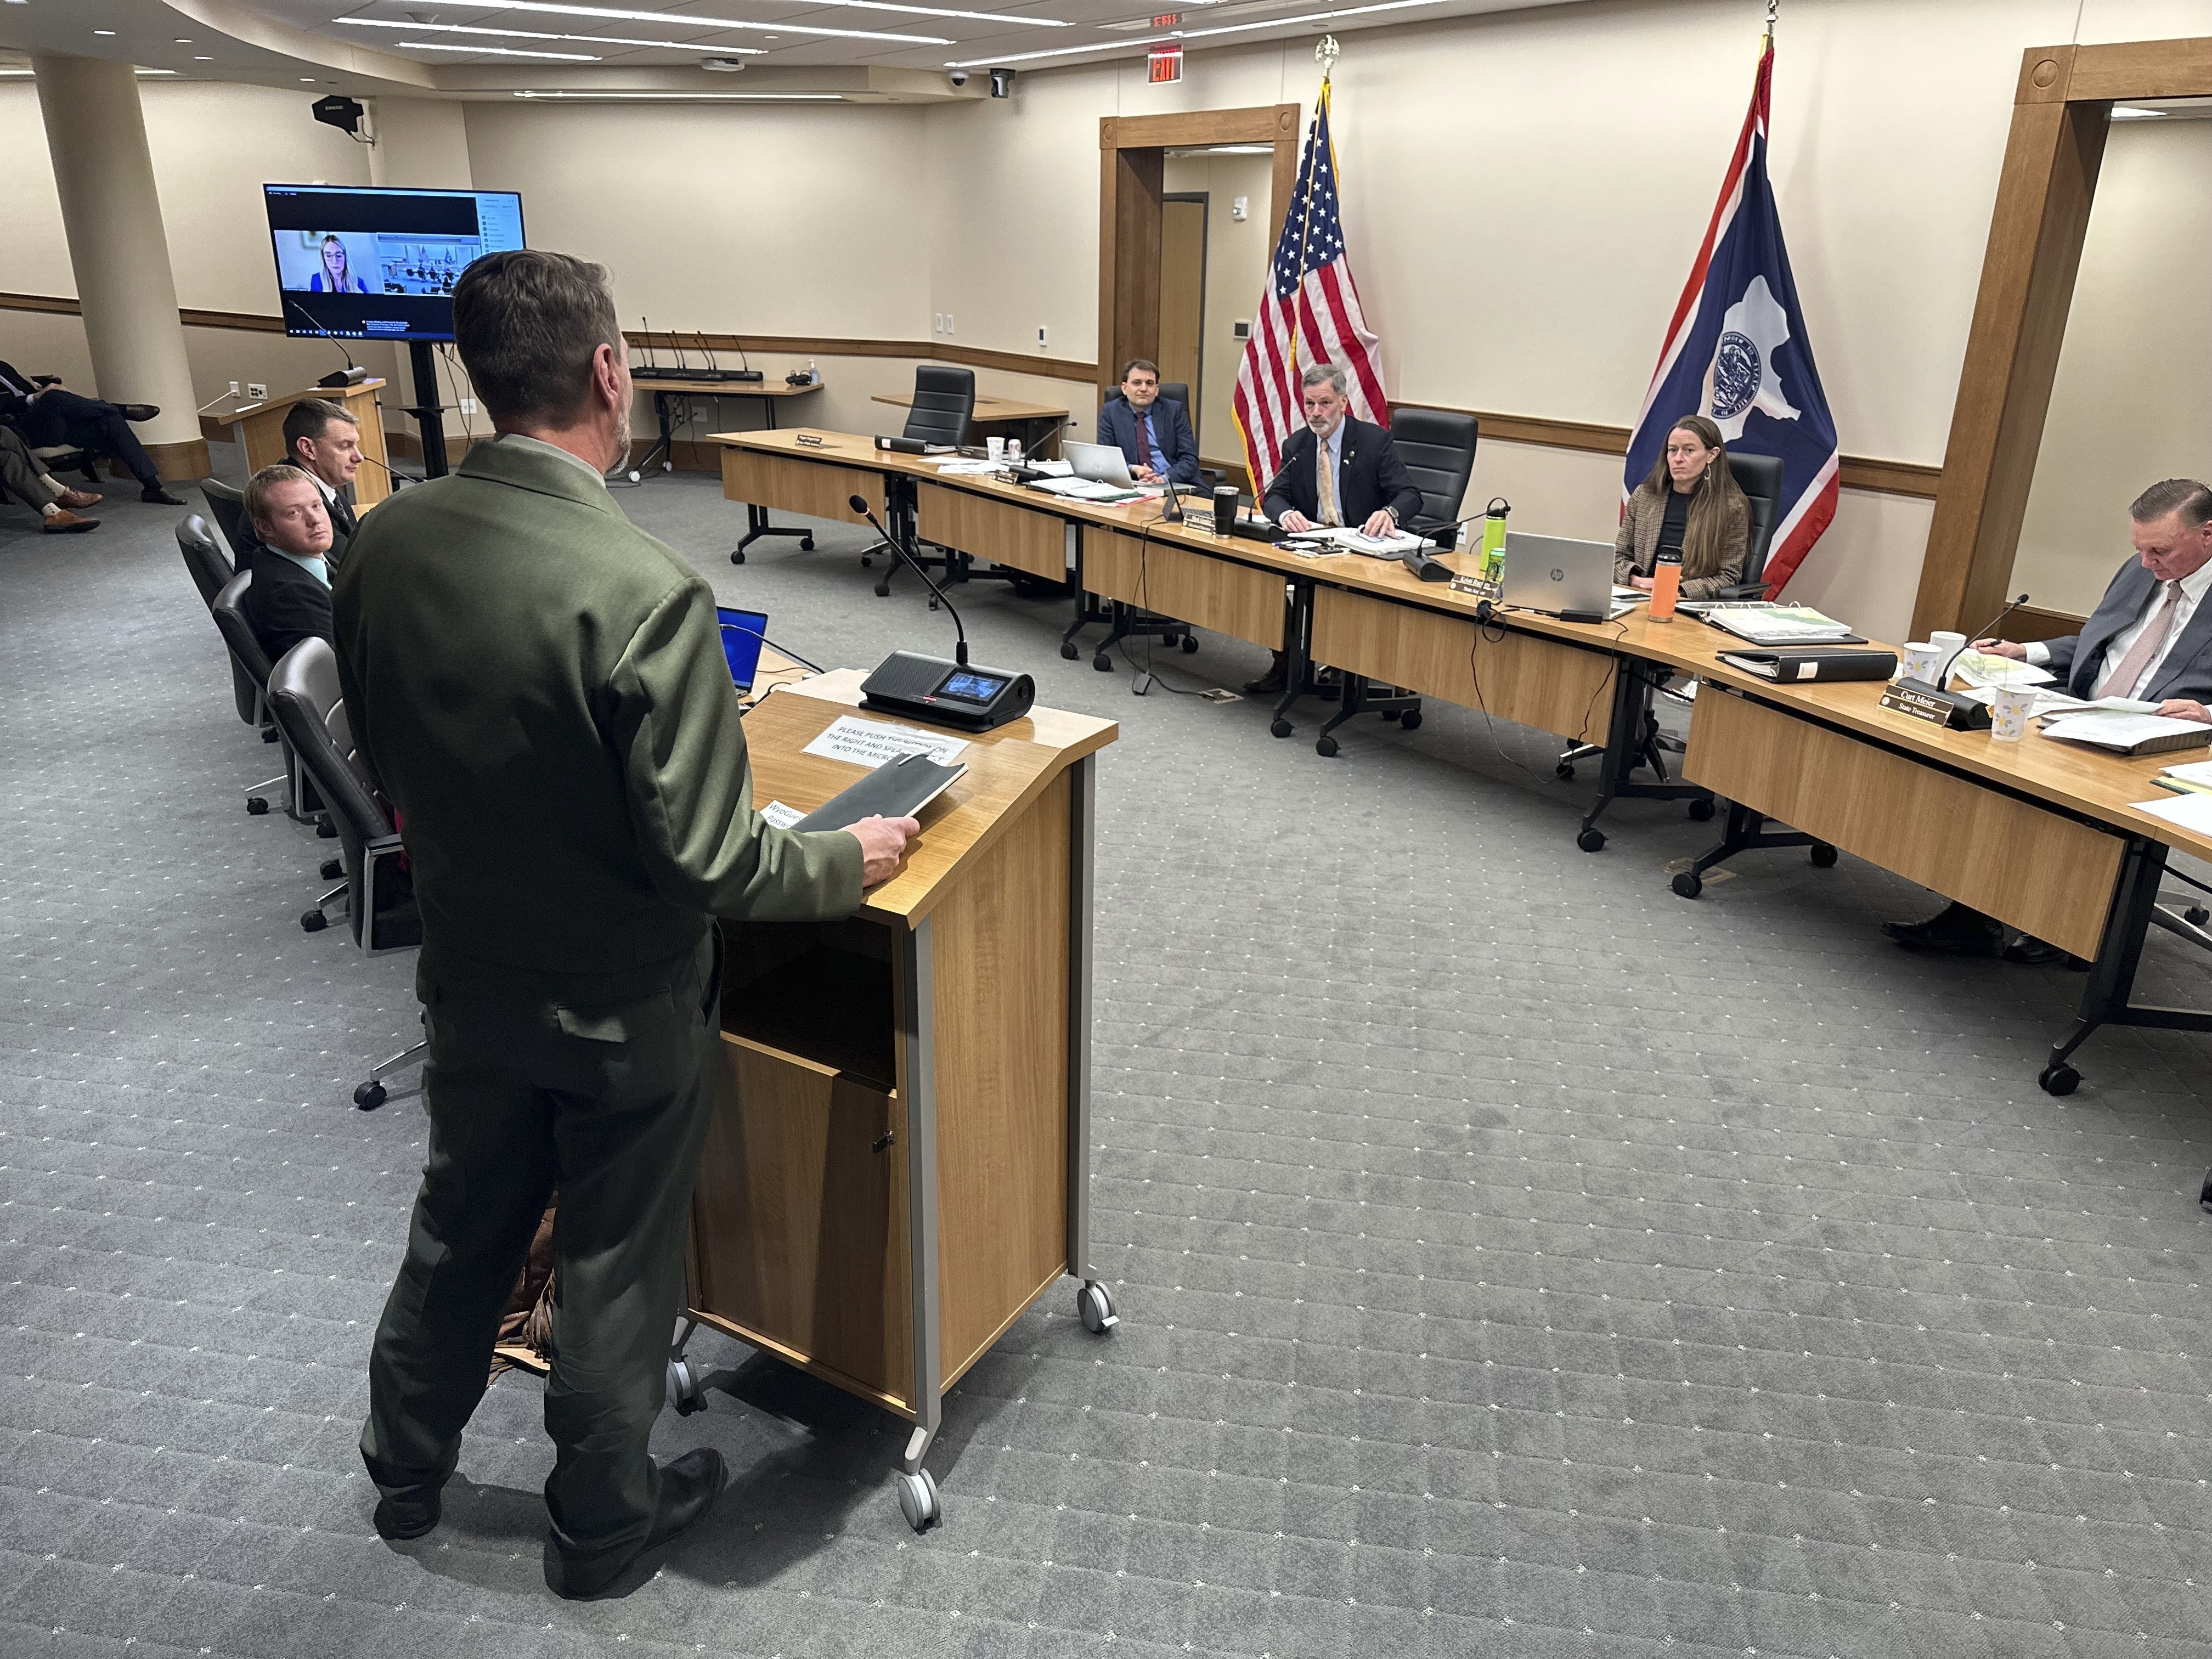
(1557, 574)
(1103, 462)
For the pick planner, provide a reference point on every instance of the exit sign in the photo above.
(1164, 63)
(1166, 20)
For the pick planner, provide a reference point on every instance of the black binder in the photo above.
(897, 789)
(1815, 662)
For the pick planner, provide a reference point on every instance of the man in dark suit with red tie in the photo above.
(1154, 433)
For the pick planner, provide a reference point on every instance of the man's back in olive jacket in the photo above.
(541, 689)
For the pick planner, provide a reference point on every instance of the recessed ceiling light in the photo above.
(731, 23)
(496, 51)
(103, 31)
(184, 39)
(697, 97)
(307, 80)
(527, 34)
(203, 60)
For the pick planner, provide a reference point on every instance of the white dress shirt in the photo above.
(2193, 588)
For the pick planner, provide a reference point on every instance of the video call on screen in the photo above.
(381, 264)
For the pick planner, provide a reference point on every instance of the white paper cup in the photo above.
(1916, 662)
(995, 448)
(2009, 706)
(1947, 647)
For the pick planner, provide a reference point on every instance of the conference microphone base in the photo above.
(353, 375)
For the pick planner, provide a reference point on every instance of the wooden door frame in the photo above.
(2062, 109)
(1130, 168)
(1204, 200)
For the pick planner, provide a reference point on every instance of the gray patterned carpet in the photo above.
(1515, 1259)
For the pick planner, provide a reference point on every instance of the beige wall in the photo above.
(2133, 400)
(1524, 192)
(1236, 267)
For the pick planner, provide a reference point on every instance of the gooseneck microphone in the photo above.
(859, 504)
(353, 370)
(1989, 631)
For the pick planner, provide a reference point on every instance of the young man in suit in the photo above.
(541, 689)
(2149, 638)
(20, 471)
(290, 599)
(1337, 469)
(1154, 433)
(50, 414)
(323, 442)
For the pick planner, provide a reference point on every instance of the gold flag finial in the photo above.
(1326, 53)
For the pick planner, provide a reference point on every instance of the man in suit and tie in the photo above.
(2149, 638)
(1154, 433)
(290, 599)
(323, 440)
(540, 688)
(51, 415)
(1336, 470)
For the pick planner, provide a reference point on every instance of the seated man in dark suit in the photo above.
(2149, 638)
(1154, 433)
(290, 598)
(323, 441)
(49, 415)
(1337, 469)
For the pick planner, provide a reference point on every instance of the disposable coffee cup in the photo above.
(2009, 708)
(1948, 647)
(995, 448)
(1224, 510)
(1917, 662)
(1014, 449)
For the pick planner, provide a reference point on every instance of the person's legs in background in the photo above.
(21, 474)
(62, 417)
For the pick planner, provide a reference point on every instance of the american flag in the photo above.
(1310, 314)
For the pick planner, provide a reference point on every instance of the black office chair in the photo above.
(944, 409)
(1437, 446)
(211, 570)
(1760, 478)
(379, 897)
(230, 610)
(229, 506)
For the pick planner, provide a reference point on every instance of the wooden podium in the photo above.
(257, 429)
(899, 1164)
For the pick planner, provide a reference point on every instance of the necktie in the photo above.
(2121, 681)
(1155, 460)
(1325, 488)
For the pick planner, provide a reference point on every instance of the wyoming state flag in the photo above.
(1737, 350)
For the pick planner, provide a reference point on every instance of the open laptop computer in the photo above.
(1558, 575)
(1103, 463)
(742, 632)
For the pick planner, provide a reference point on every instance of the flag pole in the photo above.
(1326, 54)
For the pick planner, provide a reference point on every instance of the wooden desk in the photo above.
(899, 1165)
(258, 431)
(1040, 423)
(2040, 834)
(770, 392)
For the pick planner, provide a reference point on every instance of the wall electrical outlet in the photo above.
(256, 391)
(1041, 341)
(234, 388)
(948, 322)
(468, 406)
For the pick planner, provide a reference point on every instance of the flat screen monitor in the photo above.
(742, 634)
(363, 263)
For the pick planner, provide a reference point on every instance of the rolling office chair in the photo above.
(1126, 621)
(1437, 446)
(230, 610)
(211, 572)
(944, 409)
(1635, 723)
(303, 694)
(229, 506)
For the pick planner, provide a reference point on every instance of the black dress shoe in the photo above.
(2032, 952)
(1271, 681)
(689, 1487)
(139, 412)
(1960, 931)
(401, 1518)
(154, 495)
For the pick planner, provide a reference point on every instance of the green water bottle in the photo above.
(1491, 572)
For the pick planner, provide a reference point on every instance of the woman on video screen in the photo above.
(337, 275)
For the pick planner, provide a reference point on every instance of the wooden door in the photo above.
(1182, 294)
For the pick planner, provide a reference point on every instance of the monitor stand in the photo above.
(429, 414)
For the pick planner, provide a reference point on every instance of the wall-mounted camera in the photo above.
(958, 77)
(1002, 83)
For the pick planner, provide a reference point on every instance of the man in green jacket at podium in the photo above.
(541, 691)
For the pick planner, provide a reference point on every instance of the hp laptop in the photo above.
(742, 634)
(1557, 575)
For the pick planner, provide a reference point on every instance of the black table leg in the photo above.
(2106, 997)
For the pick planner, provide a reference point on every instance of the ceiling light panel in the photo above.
(535, 34)
(552, 8)
(1296, 20)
